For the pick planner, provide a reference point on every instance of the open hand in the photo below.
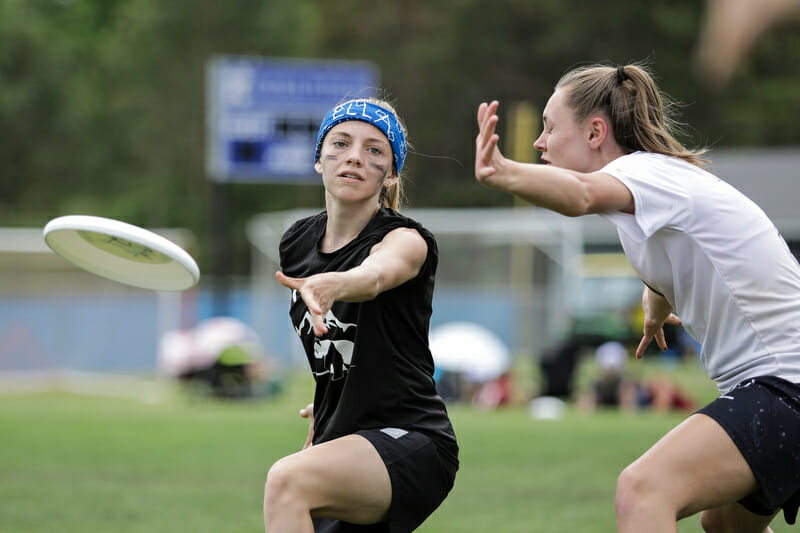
(318, 292)
(488, 159)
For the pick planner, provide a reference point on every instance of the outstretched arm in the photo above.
(657, 312)
(393, 261)
(562, 190)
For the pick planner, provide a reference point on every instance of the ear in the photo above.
(597, 131)
(318, 167)
(391, 178)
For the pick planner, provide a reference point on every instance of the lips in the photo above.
(350, 175)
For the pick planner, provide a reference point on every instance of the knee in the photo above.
(709, 522)
(713, 521)
(282, 485)
(633, 491)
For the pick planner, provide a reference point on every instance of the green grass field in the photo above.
(80, 463)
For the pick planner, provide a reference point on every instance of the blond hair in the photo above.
(392, 195)
(640, 115)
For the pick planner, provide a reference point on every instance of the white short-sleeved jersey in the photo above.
(718, 260)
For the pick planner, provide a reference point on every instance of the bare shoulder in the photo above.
(407, 241)
(404, 237)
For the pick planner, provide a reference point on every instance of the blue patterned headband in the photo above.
(381, 118)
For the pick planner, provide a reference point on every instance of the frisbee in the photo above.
(122, 252)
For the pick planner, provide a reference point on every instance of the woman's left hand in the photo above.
(657, 312)
(308, 412)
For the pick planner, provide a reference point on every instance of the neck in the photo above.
(608, 153)
(345, 222)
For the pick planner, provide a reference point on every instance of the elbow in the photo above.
(376, 288)
(574, 212)
(578, 208)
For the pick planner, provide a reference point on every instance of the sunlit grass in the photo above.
(73, 463)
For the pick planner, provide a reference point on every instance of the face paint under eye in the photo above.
(378, 167)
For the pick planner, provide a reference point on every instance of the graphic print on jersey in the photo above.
(333, 352)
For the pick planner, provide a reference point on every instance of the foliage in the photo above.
(102, 101)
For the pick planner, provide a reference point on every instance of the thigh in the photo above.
(697, 466)
(734, 517)
(344, 478)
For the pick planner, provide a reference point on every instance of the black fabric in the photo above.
(421, 479)
(373, 368)
(607, 389)
(762, 417)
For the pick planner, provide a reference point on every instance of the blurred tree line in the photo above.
(102, 102)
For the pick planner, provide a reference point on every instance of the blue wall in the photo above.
(106, 332)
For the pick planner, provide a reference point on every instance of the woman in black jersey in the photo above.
(381, 454)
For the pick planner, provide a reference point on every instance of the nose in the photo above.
(353, 156)
(539, 144)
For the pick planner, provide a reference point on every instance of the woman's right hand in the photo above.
(308, 412)
(488, 159)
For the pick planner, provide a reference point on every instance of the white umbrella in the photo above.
(471, 349)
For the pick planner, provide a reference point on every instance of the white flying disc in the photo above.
(122, 252)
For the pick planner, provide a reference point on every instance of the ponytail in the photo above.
(640, 117)
(391, 196)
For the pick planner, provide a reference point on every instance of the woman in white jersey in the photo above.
(705, 252)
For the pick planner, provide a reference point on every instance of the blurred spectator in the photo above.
(613, 387)
(222, 355)
(558, 364)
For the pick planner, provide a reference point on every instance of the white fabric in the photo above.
(720, 262)
(611, 355)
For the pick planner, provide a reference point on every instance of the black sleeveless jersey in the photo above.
(373, 369)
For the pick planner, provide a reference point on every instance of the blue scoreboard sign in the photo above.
(263, 114)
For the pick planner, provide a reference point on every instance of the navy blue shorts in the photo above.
(762, 417)
(421, 478)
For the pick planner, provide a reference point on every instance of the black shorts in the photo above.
(421, 478)
(762, 417)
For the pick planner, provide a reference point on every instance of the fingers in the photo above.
(659, 337)
(286, 281)
(642, 346)
(482, 112)
(308, 412)
(660, 340)
(299, 284)
(673, 319)
(489, 121)
(318, 321)
(486, 110)
(487, 139)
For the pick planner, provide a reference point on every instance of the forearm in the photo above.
(359, 284)
(553, 188)
(395, 260)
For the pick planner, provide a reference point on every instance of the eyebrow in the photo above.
(369, 139)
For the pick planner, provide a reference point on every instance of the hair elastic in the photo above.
(365, 111)
(621, 74)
